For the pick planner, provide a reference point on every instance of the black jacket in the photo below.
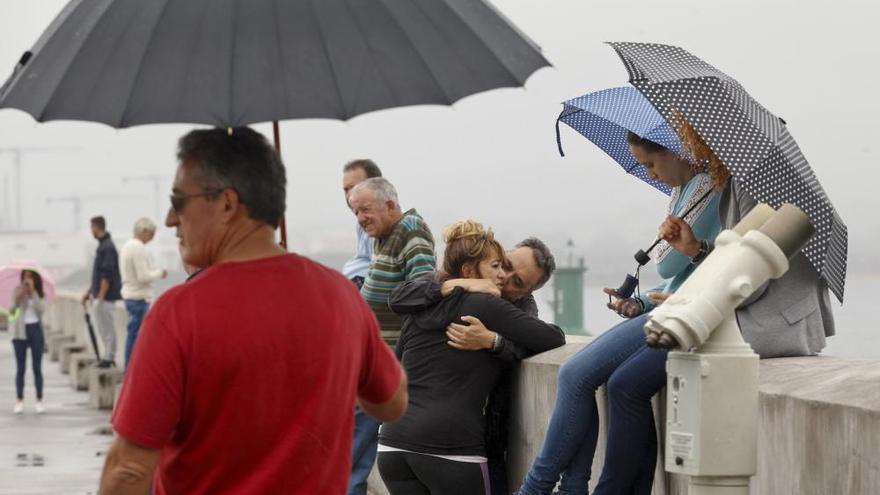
(448, 388)
(107, 266)
(419, 293)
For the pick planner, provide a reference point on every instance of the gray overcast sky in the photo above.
(493, 156)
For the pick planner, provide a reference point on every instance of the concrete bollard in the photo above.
(55, 342)
(80, 365)
(64, 355)
(102, 386)
(50, 334)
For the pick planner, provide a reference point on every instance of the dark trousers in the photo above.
(34, 340)
(406, 473)
(497, 415)
(363, 451)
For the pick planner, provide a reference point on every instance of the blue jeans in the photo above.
(136, 309)
(34, 340)
(363, 451)
(633, 373)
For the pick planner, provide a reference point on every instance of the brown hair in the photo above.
(701, 152)
(38, 281)
(467, 242)
(646, 144)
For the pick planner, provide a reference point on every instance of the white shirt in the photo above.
(359, 265)
(137, 270)
(30, 313)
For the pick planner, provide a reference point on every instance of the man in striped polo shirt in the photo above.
(403, 249)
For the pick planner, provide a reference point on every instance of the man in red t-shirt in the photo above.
(245, 377)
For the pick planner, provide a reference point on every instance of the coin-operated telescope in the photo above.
(712, 379)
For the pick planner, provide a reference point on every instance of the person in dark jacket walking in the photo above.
(105, 289)
(438, 447)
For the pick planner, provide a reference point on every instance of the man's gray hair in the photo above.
(382, 189)
(543, 258)
(144, 225)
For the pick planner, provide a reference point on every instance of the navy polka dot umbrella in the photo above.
(605, 116)
(752, 142)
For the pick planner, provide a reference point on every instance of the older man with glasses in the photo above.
(246, 375)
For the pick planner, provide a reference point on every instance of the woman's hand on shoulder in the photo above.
(679, 235)
(471, 336)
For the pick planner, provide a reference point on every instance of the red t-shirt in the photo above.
(246, 378)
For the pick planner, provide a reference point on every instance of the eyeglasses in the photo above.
(178, 201)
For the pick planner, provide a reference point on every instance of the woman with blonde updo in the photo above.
(438, 447)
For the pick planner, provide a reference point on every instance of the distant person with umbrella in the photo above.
(105, 289)
(138, 275)
(244, 378)
(28, 302)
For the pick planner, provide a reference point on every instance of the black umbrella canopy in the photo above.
(236, 62)
(751, 141)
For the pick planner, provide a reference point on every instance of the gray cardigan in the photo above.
(18, 330)
(789, 316)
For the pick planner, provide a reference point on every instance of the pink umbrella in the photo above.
(10, 278)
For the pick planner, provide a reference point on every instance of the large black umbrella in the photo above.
(754, 144)
(230, 63)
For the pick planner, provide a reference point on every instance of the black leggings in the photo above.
(405, 473)
(34, 340)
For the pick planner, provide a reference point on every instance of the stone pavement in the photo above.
(59, 452)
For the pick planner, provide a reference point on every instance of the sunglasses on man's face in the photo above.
(179, 200)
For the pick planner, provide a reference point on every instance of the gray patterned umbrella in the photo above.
(230, 63)
(752, 142)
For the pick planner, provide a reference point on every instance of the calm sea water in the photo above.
(858, 334)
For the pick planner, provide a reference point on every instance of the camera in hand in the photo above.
(628, 286)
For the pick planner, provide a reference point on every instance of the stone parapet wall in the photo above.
(818, 432)
(66, 315)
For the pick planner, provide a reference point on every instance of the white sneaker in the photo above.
(39, 407)
(19, 407)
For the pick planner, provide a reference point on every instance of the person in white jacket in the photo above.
(138, 275)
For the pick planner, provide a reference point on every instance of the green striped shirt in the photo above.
(406, 253)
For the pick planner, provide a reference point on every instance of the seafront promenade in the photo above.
(60, 452)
